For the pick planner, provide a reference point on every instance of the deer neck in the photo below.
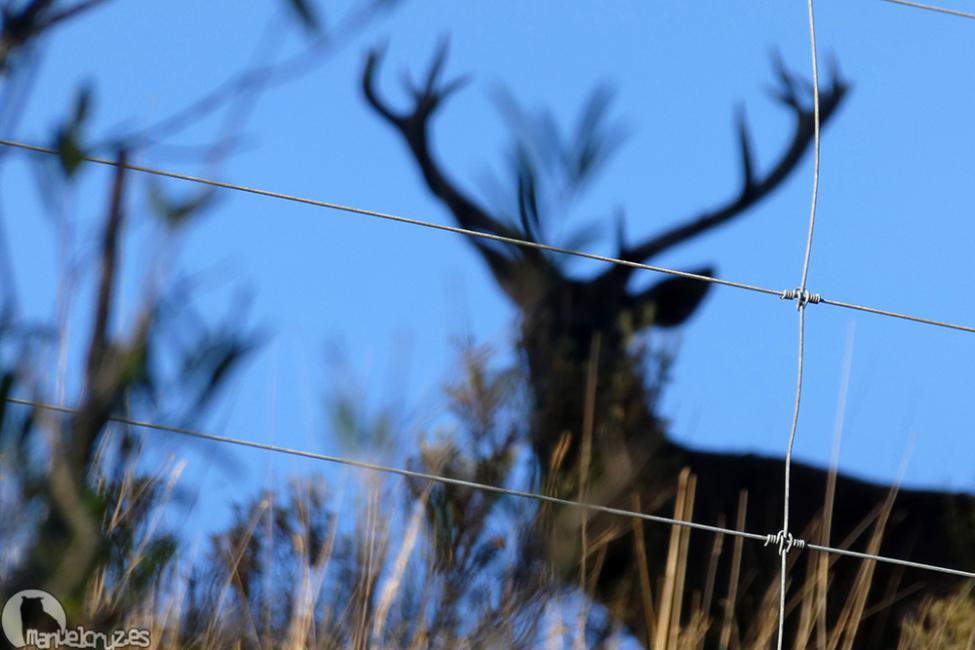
(594, 417)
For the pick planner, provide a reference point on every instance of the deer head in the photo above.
(560, 314)
(529, 277)
(561, 318)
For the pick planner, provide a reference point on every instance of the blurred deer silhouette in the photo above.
(596, 434)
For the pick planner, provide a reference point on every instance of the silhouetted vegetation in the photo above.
(409, 564)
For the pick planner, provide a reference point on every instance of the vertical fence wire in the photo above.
(785, 538)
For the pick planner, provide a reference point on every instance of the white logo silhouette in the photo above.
(35, 618)
(31, 609)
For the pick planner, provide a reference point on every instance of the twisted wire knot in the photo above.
(785, 541)
(803, 296)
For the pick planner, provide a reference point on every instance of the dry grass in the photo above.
(382, 583)
(947, 623)
(388, 567)
(435, 566)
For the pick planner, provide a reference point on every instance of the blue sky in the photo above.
(894, 230)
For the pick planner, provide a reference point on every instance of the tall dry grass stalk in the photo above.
(410, 577)
(669, 588)
(946, 623)
(372, 617)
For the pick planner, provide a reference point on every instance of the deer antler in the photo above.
(753, 188)
(414, 127)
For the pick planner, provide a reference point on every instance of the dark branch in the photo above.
(107, 273)
(32, 20)
(108, 366)
(70, 12)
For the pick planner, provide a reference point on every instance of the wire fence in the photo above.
(783, 539)
(487, 487)
(785, 294)
(935, 8)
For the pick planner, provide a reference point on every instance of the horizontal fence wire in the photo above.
(386, 469)
(486, 487)
(894, 314)
(783, 539)
(524, 243)
(935, 8)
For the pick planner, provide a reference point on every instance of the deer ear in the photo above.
(672, 301)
